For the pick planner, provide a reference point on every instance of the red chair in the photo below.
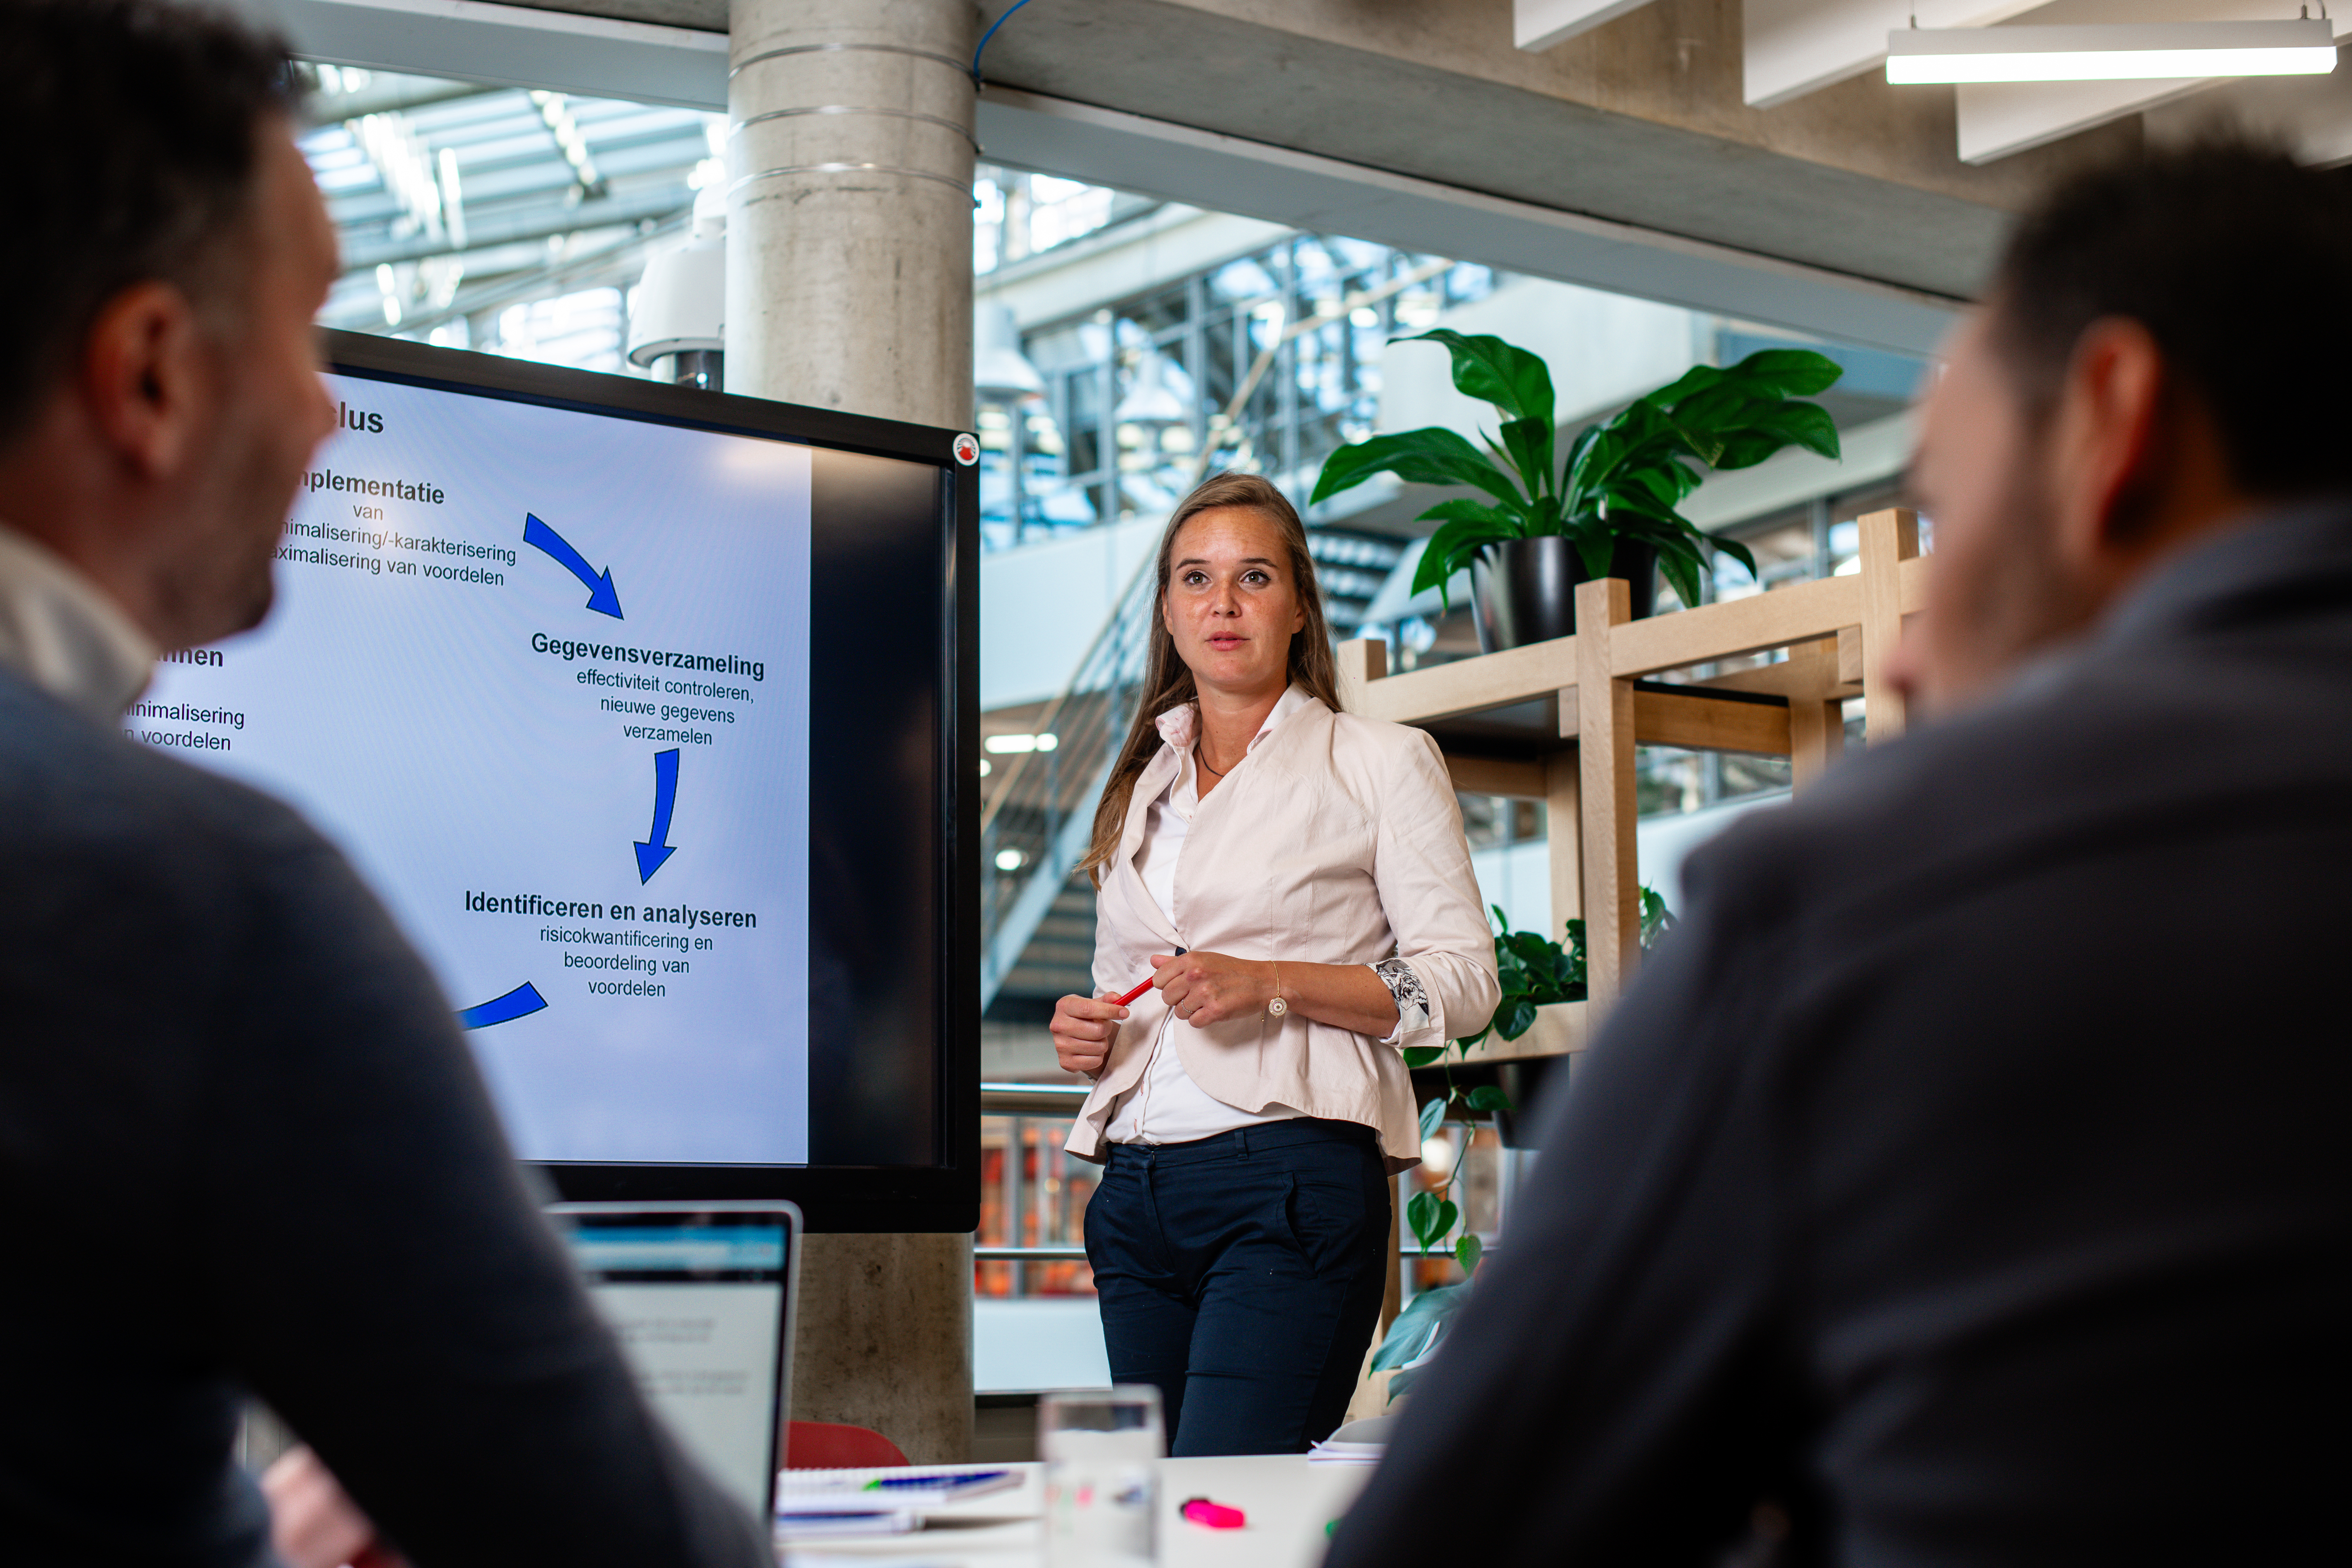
(828, 1446)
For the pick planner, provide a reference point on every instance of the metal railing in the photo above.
(1035, 825)
(1048, 1102)
(1061, 1100)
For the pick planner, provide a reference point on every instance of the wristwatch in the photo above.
(1278, 1005)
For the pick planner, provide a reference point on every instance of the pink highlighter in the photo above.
(1214, 1515)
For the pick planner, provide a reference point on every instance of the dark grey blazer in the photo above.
(1970, 1178)
(243, 1146)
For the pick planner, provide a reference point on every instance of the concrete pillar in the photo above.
(885, 1340)
(849, 287)
(849, 213)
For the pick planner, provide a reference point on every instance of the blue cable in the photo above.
(990, 34)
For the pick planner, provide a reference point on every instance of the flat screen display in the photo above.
(637, 706)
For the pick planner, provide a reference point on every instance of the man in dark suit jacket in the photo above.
(242, 1145)
(1967, 1181)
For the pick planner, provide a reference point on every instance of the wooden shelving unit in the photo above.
(1558, 721)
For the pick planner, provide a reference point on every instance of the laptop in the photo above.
(702, 1297)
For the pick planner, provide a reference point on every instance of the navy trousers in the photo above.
(1241, 1275)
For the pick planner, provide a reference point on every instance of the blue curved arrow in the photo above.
(658, 848)
(601, 597)
(524, 999)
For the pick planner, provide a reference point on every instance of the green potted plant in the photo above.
(1609, 507)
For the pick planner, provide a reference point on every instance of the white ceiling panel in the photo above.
(1997, 119)
(1540, 24)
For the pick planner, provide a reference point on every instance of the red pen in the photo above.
(1123, 1001)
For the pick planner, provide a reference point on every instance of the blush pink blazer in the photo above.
(1335, 840)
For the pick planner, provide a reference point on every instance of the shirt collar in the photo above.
(1180, 726)
(61, 633)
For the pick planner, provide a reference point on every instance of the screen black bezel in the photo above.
(943, 1198)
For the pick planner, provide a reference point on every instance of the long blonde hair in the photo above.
(1167, 680)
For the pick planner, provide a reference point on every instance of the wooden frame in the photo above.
(1558, 722)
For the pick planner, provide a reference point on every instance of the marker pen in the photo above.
(1138, 990)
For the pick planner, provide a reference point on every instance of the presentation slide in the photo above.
(543, 675)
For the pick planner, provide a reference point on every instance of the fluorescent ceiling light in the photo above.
(2122, 52)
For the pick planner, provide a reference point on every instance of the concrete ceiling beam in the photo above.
(1634, 128)
(1254, 180)
(397, 95)
(515, 46)
(1637, 123)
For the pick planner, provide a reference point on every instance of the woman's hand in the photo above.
(1204, 988)
(1083, 1028)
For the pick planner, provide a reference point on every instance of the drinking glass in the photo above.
(1102, 1479)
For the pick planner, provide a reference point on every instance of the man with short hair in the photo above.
(1966, 1183)
(242, 1145)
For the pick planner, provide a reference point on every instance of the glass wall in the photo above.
(1820, 539)
(1265, 363)
(497, 219)
(1034, 1193)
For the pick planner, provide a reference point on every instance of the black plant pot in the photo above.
(1524, 590)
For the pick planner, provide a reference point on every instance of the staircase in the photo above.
(1060, 957)
(1036, 823)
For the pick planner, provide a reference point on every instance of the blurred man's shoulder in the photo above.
(73, 787)
(2101, 746)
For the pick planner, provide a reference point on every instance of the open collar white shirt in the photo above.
(1336, 839)
(61, 634)
(1167, 1106)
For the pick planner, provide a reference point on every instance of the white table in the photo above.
(1290, 1504)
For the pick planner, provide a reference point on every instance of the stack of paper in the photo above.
(1334, 1452)
(1356, 1443)
(810, 1520)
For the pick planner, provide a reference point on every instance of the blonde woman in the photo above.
(1294, 882)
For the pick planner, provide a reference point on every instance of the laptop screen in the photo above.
(700, 1296)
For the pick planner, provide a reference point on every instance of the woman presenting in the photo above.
(1294, 882)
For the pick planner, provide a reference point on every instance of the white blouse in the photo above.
(1166, 1106)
